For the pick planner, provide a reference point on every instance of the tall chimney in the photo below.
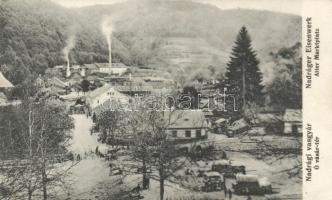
(69, 46)
(68, 72)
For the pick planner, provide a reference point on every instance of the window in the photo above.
(198, 133)
(188, 133)
(174, 133)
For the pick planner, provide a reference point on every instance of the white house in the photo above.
(100, 96)
(187, 124)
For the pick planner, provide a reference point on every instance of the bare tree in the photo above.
(111, 125)
(152, 145)
(37, 162)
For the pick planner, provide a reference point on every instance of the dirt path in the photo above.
(83, 141)
(89, 179)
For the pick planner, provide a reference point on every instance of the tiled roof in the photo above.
(185, 119)
(4, 83)
(133, 88)
(293, 115)
(97, 92)
(266, 118)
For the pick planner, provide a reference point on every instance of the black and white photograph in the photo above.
(151, 100)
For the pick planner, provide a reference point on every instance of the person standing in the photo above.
(97, 151)
(230, 194)
(225, 191)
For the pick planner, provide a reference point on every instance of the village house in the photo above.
(292, 122)
(98, 98)
(57, 86)
(186, 124)
(266, 123)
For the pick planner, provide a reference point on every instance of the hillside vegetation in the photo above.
(179, 35)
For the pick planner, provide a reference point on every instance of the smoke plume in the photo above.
(107, 29)
(70, 44)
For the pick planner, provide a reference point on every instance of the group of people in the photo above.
(74, 157)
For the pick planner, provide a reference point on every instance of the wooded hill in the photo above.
(161, 34)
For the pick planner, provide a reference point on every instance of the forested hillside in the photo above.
(161, 34)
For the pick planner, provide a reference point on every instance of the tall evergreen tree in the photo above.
(243, 75)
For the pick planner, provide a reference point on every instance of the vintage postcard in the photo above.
(165, 99)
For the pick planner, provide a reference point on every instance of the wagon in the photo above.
(251, 185)
(226, 169)
(213, 181)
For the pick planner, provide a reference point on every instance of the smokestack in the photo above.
(68, 72)
(69, 46)
(108, 31)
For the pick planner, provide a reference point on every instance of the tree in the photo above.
(243, 74)
(111, 124)
(190, 95)
(152, 145)
(38, 131)
(143, 141)
(285, 90)
(85, 84)
(48, 134)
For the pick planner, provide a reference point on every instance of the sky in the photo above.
(285, 6)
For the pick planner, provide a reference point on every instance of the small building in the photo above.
(220, 125)
(187, 124)
(237, 127)
(113, 68)
(292, 122)
(251, 185)
(57, 86)
(266, 123)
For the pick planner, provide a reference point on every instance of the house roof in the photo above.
(113, 103)
(134, 88)
(103, 65)
(4, 83)
(292, 115)
(239, 124)
(115, 97)
(266, 118)
(90, 66)
(220, 120)
(99, 91)
(58, 82)
(185, 119)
